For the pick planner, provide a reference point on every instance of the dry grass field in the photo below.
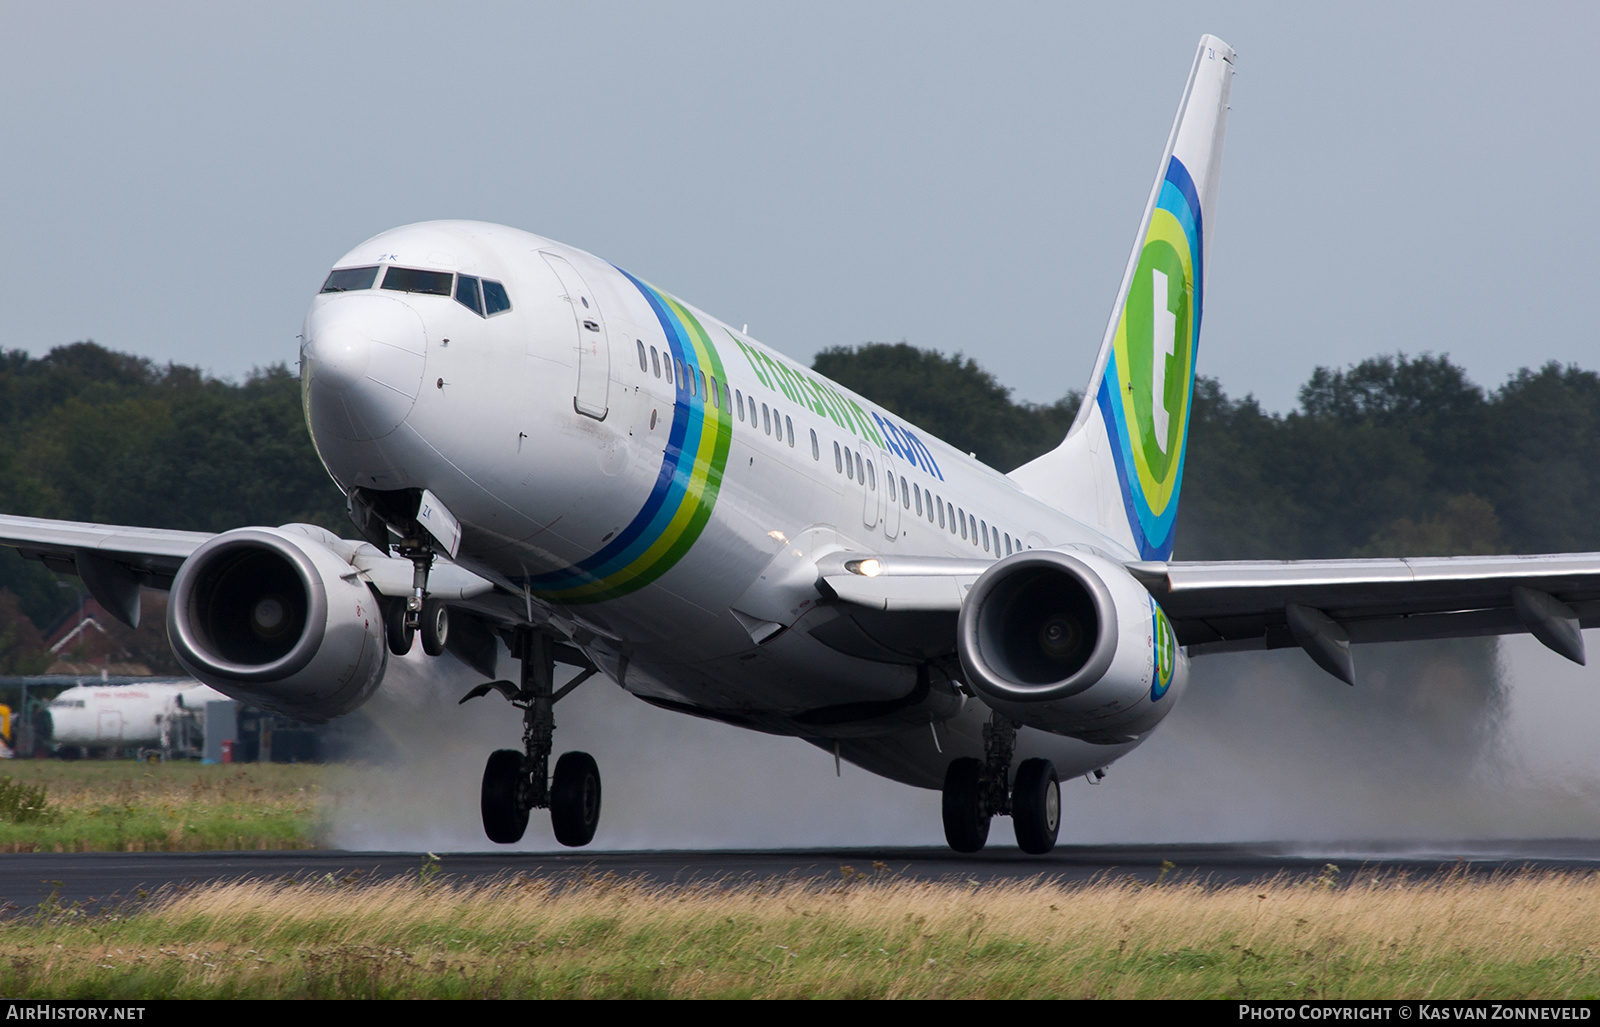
(1521, 936)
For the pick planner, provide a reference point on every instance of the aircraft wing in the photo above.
(1319, 605)
(72, 547)
(115, 560)
(1233, 605)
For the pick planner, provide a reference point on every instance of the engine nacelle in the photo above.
(1069, 642)
(278, 618)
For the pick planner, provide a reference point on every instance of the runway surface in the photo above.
(103, 880)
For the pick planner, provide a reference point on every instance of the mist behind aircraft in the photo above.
(1265, 746)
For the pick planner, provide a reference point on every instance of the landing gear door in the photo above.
(592, 395)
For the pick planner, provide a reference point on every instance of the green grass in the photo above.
(126, 806)
(1528, 936)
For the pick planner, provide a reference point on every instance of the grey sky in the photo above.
(177, 178)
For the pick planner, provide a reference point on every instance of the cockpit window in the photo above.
(350, 279)
(495, 299)
(406, 279)
(467, 294)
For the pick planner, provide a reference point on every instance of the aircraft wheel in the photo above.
(394, 627)
(504, 816)
(575, 799)
(1036, 806)
(965, 826)
(435, 627)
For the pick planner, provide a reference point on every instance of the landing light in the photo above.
(867, 568)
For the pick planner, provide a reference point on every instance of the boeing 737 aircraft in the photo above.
(541, 448)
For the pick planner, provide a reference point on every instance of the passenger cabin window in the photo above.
(350, 279)
(679, 364)
(861, 475)
(701, 376)
(738, 398)
(467, 296)
(766, 419)
(495, 300)
(816, 450)
(838, 464)
(789, 426)
(667, 362)
(643, 364)
(655, 362)
(407, 279)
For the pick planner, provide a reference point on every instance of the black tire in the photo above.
(965, 828)
(505, 818)
(394, 627)
(435, 627)
(1036, 806)
(575, 799)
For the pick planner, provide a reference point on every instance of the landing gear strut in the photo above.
(975, 792)
(516, 782)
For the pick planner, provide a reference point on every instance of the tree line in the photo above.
(1394, 455)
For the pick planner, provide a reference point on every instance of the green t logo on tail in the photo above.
(1145, 392)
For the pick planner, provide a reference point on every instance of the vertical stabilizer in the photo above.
(1121, 465)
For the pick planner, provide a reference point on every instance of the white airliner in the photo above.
(155, 714)
(540, 447)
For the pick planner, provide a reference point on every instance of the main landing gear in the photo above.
(515, 783)
(975, 791)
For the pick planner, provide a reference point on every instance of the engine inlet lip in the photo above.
(192, 646)
(970, 643)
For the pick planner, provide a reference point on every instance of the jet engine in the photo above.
(280, 619)
(1069, 642)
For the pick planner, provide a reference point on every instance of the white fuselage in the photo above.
(654, 524)
(118, 715)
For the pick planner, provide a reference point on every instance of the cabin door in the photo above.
(591, 397)
(894, 489)
(872, 493)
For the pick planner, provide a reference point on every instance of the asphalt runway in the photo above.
(98, 881)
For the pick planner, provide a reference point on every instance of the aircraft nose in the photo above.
(339, 355)
(363, 366)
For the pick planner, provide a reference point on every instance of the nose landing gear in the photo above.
(514, 783)
(975, 792)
